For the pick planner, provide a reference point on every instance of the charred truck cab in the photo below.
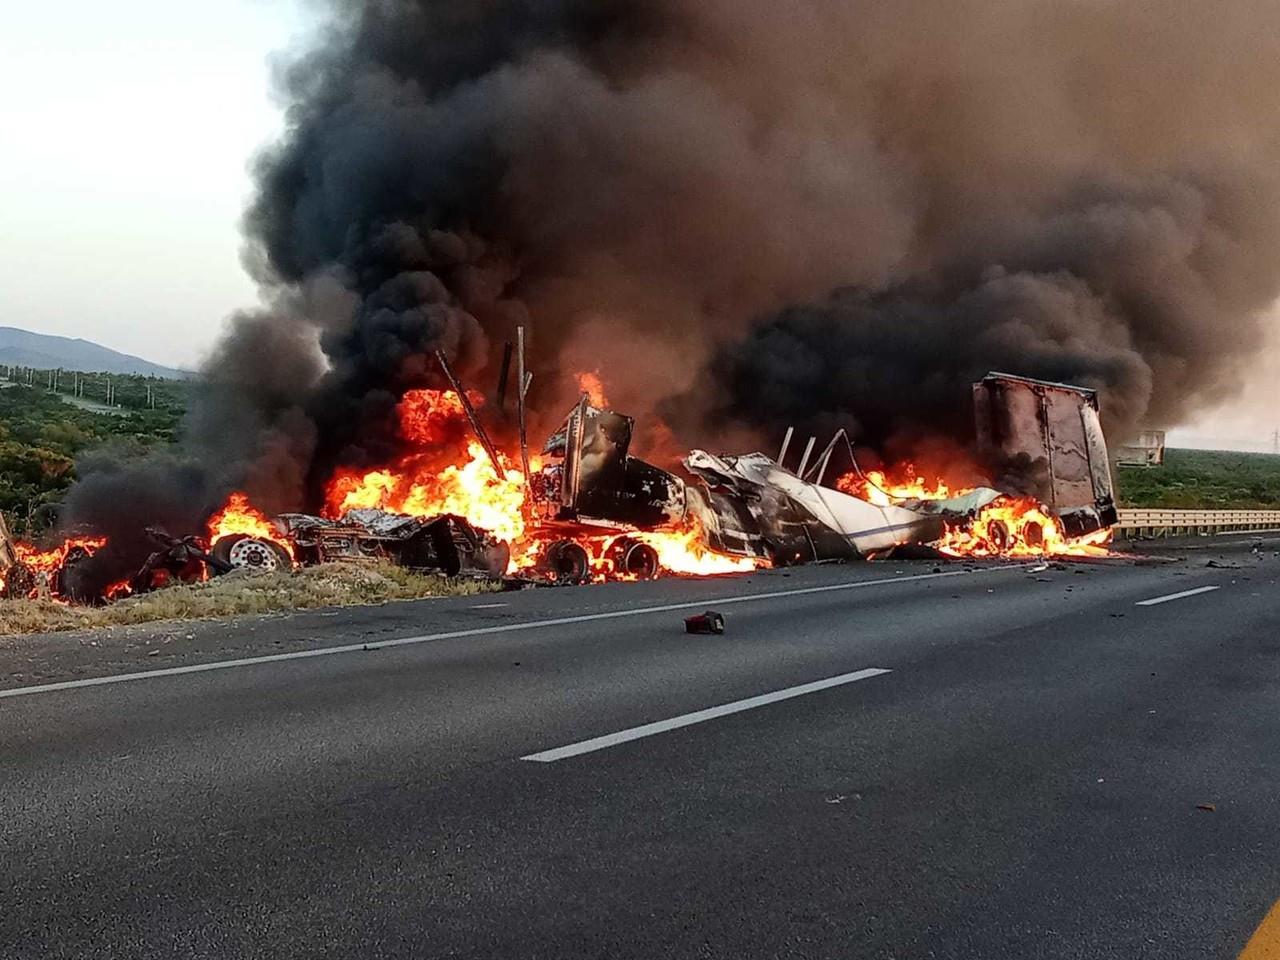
(591, 487)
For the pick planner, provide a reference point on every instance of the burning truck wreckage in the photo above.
(591, 511)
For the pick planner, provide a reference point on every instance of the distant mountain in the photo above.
(26, 349)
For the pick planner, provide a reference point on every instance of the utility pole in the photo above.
(1275, 442)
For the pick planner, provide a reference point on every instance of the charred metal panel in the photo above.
(598, 480)
(1045, 441)
(446, 543)
(798, 521)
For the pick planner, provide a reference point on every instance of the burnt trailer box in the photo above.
(1045, 440)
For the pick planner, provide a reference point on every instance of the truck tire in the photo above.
(999, 535)
(242, 551)
(634, 559)
(567, 562)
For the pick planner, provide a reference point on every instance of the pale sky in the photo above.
(125, 133)
(125, 130)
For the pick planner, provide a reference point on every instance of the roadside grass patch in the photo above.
(240, 593)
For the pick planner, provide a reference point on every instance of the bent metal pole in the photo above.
(471, 413)
(522, 387)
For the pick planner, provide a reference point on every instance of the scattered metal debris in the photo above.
(446, 543)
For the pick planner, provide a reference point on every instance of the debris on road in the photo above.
(1207, 807)
(709, 622)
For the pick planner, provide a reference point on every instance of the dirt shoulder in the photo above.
(239, 594)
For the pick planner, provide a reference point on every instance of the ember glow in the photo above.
(240, 516)
(117, 591)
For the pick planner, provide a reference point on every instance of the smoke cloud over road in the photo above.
(749, 214)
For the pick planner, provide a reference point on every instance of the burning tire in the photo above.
(252, 553)
(633, 559)
(567, 562)
(999, 535)
(1032, 534)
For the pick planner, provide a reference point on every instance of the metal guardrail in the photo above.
(1165, 523)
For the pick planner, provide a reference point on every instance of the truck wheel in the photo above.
(998, 534)
(245, 552)
(631, 558)
(567, 562)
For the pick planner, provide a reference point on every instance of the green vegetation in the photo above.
(244, 592)
(1204, 480)
(126, 393)
(42, 433)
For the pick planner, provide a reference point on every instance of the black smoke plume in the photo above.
(668, 192)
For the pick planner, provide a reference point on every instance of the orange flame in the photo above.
(1019, 527)
(679, 551)
(117, 591)
(425, 483)
(471, 489)
(426, 416)
(240, 516)
(877, 488)
(430, 481)
(45, 564)
(51, 561)
(590, 383)
(685, 551)
(1008, 527)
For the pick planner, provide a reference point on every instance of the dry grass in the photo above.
(328, 585)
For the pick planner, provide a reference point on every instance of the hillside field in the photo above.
(1204, 480)
(42, 433)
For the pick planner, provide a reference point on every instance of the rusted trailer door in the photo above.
(1046, 440)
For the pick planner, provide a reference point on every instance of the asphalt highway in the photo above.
(881, 761)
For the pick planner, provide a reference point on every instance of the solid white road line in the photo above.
(1175, 596)
(488, 631)
(488, 606)
(701, 716)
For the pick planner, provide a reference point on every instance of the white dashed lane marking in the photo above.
(1175, 596)
(700, 716)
